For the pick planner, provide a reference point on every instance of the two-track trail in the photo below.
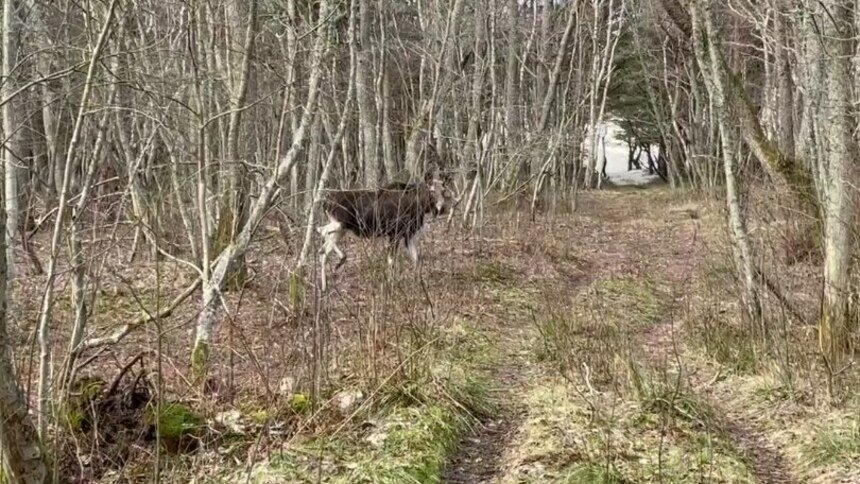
(612, 233)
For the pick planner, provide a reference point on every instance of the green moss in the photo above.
(200, 359)
(78, 408)
(175, 421)
(300, 403)
(259, 417)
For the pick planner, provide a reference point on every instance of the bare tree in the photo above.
(11, 144)
(44, 331)
(838, 173)
(716, 78)
(215, 271)
(365, 93)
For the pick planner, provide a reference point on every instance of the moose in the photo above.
(398, 211)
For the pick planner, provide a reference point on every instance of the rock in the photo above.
(348, 400)
(376, 439)
(287, 386)
(231, 420)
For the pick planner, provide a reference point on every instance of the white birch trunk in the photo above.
(11, 136)
(215, 274)
(833, 18)
(44, 334)
(716, 78)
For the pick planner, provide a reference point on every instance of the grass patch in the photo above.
(570, 436)
(608, 418)
(628, 301)
(590, 473)
(409, 430)
(713, 325)
(596, 330)
(408, 444)
(833, 445)
(495, 272)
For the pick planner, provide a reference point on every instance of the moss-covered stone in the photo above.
(300, 402)
(177, 425)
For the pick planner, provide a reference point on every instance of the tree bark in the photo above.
(707, 52)
(235, 208)
(12, 146)
(21, 454)
(512, 125)
(365, 96)
(834, 20)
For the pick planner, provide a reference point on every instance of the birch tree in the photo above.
(11, 145)
(215, 271)
(367, 115)
(838, 176)
(707, 46)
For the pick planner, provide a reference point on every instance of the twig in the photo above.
(122, 372)
(777, 293)
(121, 333)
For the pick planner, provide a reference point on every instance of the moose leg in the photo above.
(331, 240)
(412, 243)
(332, 237)
(412, 249)
(393, 246)
(331, 226)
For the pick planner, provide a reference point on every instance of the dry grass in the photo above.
(605, 337)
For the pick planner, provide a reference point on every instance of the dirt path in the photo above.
(661, 345)
(768, 464)
(479, 455)
(612, 237)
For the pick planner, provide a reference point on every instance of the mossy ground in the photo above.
(407, 433)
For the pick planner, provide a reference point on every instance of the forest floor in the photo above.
(601, 345)
(586, 333)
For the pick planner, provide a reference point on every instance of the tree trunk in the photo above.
(235, 209)
(12, 145)
(365, 96)
(785, 85)
(834, 21)
(472, 141)
(710, 63)
(21, 456)
(512, 125)
(215, 277)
